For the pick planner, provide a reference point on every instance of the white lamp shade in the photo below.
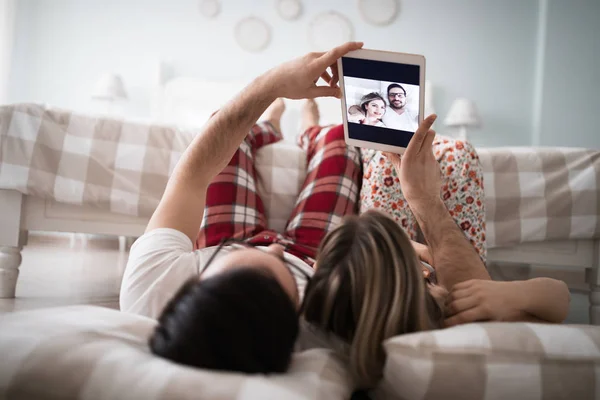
(109, 87)
(463, 112)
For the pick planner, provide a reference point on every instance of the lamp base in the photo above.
(462, 133)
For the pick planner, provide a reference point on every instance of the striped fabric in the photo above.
(494, 361)
(93, 353)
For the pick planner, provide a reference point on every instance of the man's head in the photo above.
(369, 286)
(240, 315)
(396, 96)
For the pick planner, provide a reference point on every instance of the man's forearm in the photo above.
(211, 150)
(454, 258)
(182, 204)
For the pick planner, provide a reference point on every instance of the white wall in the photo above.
(480, 49)
(570, 93)
(7, 15)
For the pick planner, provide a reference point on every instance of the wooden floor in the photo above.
(55, 274)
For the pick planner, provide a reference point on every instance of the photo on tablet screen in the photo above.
(392, 105)
(382, 100)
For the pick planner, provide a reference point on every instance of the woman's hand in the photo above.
(483, 300)
(297, 79)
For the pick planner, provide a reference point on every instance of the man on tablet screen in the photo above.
(399, 117)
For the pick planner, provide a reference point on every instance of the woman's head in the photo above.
(368, 287)
(373, 105)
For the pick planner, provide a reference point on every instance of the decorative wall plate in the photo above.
(378, 12)
(289, 9)
(329, 29)
(210, 8)
(252, 34)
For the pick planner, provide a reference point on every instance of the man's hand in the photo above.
(483, 300)
(297, 79)
(418, 171)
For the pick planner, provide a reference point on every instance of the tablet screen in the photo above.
(382, 100)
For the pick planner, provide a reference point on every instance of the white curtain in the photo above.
(7, 25)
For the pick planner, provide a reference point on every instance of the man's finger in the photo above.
(332, 55)
(324, 91)
(420, 135)
(428, 142)
(461, 305)
(335, 75)
(457, 295)
(393, 157)
(326, 77)
(463, 285)
(416, 143)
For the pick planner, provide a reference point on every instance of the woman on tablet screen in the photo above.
(373, 105)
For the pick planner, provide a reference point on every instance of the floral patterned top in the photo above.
(462, 189)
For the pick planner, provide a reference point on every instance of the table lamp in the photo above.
(109, 88)
(462, 115)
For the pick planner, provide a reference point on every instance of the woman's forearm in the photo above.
(545, 298)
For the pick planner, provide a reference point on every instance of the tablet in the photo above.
(383, 98)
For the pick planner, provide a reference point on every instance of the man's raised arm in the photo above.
(182, 204)
(454, 258)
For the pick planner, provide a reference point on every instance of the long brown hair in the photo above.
(368, 287)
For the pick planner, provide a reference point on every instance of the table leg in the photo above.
(594, 281)
(10, 260)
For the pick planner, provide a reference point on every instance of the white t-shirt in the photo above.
(162, 260)
(406, 122)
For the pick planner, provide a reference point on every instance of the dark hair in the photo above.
(369, 97)
(240, 320)
(395, 85)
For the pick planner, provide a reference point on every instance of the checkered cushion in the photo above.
(494, 361)
(537, 194)
(531, 194)
(86, 352)
(83, 160)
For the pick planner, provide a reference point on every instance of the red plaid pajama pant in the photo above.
(330, 191)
